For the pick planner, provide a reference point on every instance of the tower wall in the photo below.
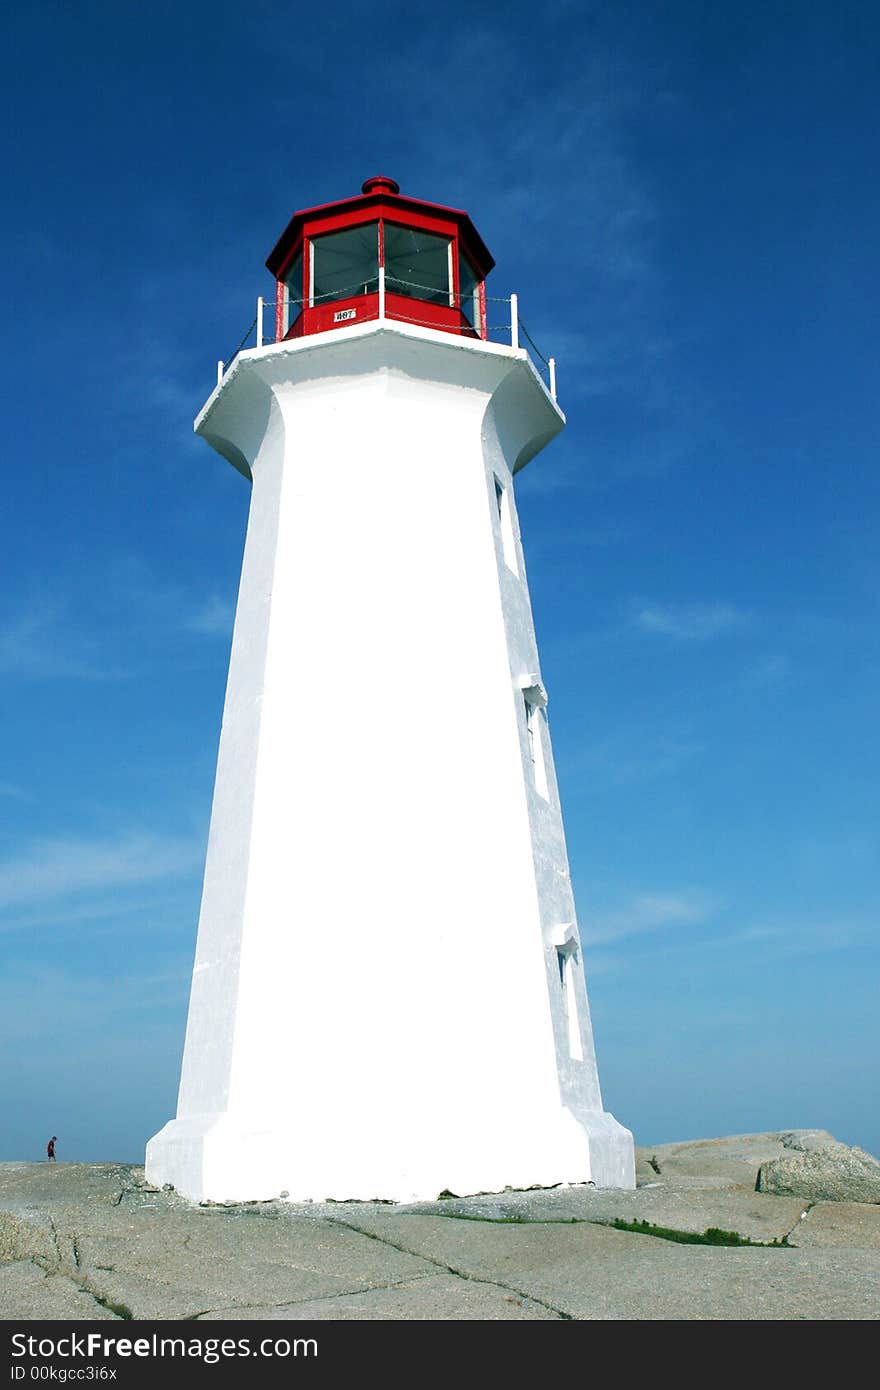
(379, 1006)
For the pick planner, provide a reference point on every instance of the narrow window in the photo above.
(534, 728)
(291, 292)
(567, 960)
(294, 283)
(468, 297)
(505, 521)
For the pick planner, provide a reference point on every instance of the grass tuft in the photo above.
(121, 1310)
(713, 1235)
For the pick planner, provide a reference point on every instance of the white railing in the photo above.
(511, 332)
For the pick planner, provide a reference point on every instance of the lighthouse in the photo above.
(388, 995)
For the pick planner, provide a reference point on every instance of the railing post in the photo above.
(552, 365)
(381, 291)
(514, 321)
(259, 321)
(281, 295)
(219, 372)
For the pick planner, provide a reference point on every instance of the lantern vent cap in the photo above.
(380, 183)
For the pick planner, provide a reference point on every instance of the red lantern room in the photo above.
(380, 255)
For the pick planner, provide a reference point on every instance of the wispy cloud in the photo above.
(691, 622)
(213, 619)
(647, 912)
(37, 643)
(152, 906)
(784, 937)
(761, 941)
(630, 755)
(110, 629)
(9, 789)
(769, 673)
(33, 1000)
(52, 870)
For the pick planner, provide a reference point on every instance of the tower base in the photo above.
(222, 1158)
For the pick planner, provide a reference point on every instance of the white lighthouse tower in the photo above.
(388, 994)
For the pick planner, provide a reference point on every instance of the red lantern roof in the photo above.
(380, 254)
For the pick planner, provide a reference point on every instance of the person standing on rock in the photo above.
(50, 1150)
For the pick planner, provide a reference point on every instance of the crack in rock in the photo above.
(61, 1268)
(55, 1241)
(84, 1285)
(230, 1309)
(803, 1216)
(457, 1273)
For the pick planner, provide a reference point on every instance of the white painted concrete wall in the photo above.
(377, 1009)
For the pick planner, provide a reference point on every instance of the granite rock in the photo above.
(818, 1168)
(85, 1241)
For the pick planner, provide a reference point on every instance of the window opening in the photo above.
(293, 292)
(505, 519)
(468, 292)
(345, 264)
(534, 727)
(566, 957)
(418, 264)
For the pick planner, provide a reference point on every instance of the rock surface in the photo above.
(86, 1241)
(819, 1169)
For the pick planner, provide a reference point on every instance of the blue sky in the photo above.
(685, 198)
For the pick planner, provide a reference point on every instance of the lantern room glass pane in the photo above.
(294, 282)
(346, 263)
(468, 289)
(417, 264)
